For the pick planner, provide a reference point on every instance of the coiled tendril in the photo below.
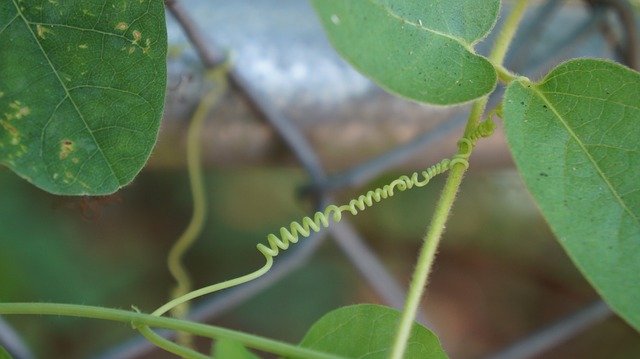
(322, 219)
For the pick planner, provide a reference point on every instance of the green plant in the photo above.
(65, 127)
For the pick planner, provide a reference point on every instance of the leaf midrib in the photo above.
(68, 94)
(459, 40)
(619, 199)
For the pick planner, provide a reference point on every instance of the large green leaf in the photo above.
(419, 49)
(575, 137)
(81, 90)
(367, 331)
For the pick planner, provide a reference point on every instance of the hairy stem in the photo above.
(208, 331)
(505, 75)
(431, 241)
(445, 203)
(507, 33)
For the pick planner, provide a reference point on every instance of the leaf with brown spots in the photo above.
(81, 91)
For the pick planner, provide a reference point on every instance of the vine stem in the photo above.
(447, 198)
(507, 33)
(213, 288)
(198, 192)
(139, 319)
(169, 346)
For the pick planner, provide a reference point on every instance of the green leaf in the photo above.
(4, 354)
(419, 49)
(575, 138)
(81, 91)
(225, 348)
(368, 331)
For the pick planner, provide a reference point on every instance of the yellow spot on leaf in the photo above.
(137, 36)
(13, 132)
(83, 46)
(19, 111)
(43, 31)
(68, 176)
(66, 147)
(122, 26)
(147, 47)
(132, 49)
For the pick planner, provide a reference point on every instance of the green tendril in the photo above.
(198, 192)
(321, 219)
(217, 77)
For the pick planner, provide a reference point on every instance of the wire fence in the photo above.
(322, 185)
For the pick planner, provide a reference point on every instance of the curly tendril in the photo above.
(321, 219)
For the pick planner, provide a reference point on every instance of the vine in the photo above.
(321, 219)
(217, 77)
(137, 319)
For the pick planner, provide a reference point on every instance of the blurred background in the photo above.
(300, 129)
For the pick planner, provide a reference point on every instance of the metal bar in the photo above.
(562, 46)
(555, 334)
(368, 170)
(627, 49)
(12, 342)
(521, 49)
(364, 172)
(371, 269)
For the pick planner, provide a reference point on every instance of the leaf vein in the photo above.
(591, 98)
(9, 23)
(590, 158)
(53, 69)
(421, 26)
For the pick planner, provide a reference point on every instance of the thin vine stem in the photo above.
(431, 241)
(169, 346)
(125, 316)
(196, 179)
(504, 75)
(447, 198)
(507, 33)
(213, 288)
